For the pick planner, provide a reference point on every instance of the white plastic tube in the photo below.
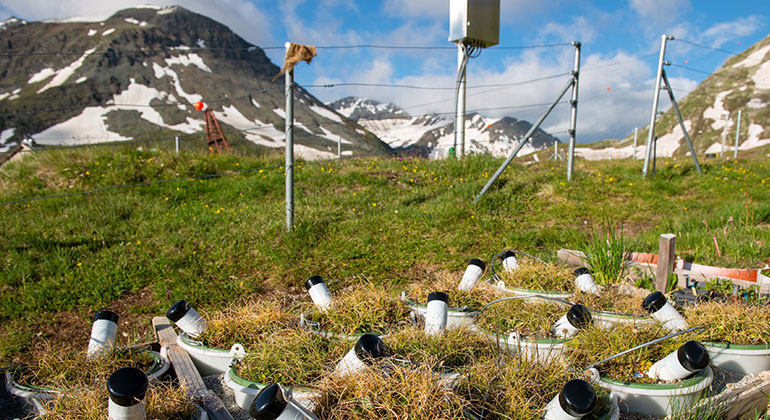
(186, 318)
(272, 404)
(690, 358)
(664, 312)
(472, 275)
(576, 400)
(585, 281)
(510, 263)
(367, 349)
(568, 325)
(319, 293)
(126, 388)
(436, 313)
(103, 334)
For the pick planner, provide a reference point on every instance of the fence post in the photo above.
(737, 135)
(573, 112)
(176, 144)
(666, 260)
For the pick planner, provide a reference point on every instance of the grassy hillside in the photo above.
(387, 220)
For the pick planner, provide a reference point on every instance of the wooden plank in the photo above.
(666, 259)
(189, 378)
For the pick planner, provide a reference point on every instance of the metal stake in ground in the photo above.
(655, 99)
(737, 135)
(573, 113)
(681, 122)
(462, 64)
(289, 127)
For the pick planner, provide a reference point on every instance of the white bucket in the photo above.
(544, 350)
(209, 360)
(748, 359)
(658, 399)
(244, 391)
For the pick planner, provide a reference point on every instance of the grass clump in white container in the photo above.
(471, 300)
(536, 276)
(449, 351)
(360, 309)
(162, 402)
(246, 323)
(733, 323)
(522, 316)
(617, 299)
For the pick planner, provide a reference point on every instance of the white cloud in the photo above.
(718, 34)
(579, 29)
(242, 16)
(662, 12)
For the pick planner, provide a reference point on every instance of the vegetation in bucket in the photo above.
(451, 350)
(523, 316)
(162, 402)
(384, 391)
(620, 299)
(517, 388)
(291, 357)
(535, 275)
(360, 309)
(735, 323)
(473, 299)
(246, 323)
(595, 344)
(59, 370)
(605, 252)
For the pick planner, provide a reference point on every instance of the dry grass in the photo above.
(614, 299)
(292, 357)
(523, 316)
(735, 323)
(451, 350)
(595, 344)
(363, 308)
(538, 276)
(62, 371)
(162, 402)
(246, 323)
(387, 392)
(474, 299)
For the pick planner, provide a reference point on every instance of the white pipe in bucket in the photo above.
(127, 387)
(585, 281)
(367, 349)
(576, 400)
(186, 318)
(472, 275)
(510, 263)
(272, 404)
(318, 291)
(664, 312)
(691, 357)
(568, 325)
(103, 334)
(436, 313)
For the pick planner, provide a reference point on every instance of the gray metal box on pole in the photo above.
(474, 22)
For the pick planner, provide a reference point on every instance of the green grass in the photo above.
(391, 222)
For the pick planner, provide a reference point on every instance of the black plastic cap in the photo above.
(108, 315)
(127, 386)
(507, 254)
(580, 271)
(268, 404)
(693, 356)
(654, 302)
(438, 296)
(579, 316)
(313, 281)
(369, 347)
(178, 310)
(577, 398)
(478, 263)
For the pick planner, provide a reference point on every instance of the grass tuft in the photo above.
(534, 275)
(735, 323)
(246, 323)
(523, 316)
(473, 299)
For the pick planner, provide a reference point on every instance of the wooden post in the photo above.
(189, 378)
(666, 259)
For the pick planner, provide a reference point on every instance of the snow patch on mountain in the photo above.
(64, 74)
(326, 113)
(717, 111)
(161, 72)
(761, 77)
(754, 58)
(191, 59)
(92, 121)
(41, 75)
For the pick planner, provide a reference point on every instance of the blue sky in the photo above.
(620, 45)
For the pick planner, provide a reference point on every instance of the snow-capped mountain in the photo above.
(136, 75)
(435, 133)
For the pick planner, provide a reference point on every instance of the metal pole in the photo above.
(636, 136)
(289, 126)
(573, 113)
(737, 135)
(176, 144)
(524, 141)
(681, 123)
(462, 62)
(654, 115)
(339, 148)
(725, 117)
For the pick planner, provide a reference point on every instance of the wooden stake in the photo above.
(666, 259)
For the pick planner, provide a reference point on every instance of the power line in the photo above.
(332, 85)
(692, 69)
